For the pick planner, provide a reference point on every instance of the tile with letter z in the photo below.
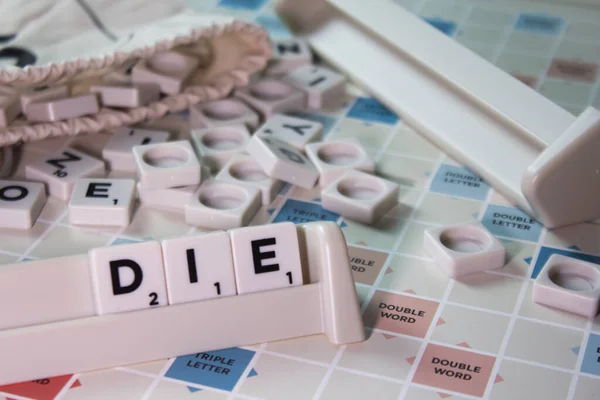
(198, 267)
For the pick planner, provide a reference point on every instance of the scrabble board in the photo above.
(429, 337)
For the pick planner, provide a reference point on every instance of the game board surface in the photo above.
(480, 336)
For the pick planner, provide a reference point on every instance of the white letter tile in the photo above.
(266, 257)
(128, 277)
(43, 94)
(62, 168)
(60, 109)
(102, 202)
(20, 203)
(323, 87)
(297, 132)
(282, 161)
(199, 267)
(288, 54)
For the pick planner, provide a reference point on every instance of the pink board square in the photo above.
(401, 314)
(456, 370)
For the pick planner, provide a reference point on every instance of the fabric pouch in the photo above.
(82, 44)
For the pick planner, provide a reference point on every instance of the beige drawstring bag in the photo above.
(78, 42)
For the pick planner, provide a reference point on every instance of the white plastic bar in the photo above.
(328, 304)
(538, 117)
(459, 127)
(476, 113)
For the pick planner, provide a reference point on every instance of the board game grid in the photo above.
(429, 337)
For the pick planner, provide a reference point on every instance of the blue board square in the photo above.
(591, 359)
(243, 4)
(218, 369)
(511, 222)
(445, 26)
(539, 23)
(368, 109)
(300, 212)
(545, 253)
(460, 182)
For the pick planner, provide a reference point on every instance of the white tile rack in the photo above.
(326, 304)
